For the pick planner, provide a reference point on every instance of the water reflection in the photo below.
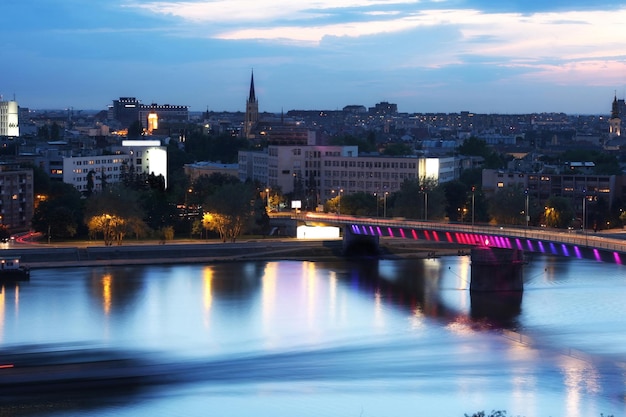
(326, 338)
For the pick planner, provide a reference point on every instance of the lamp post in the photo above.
(267, 197)
(385, 204)
(339, 203)
(526, 208)
(584, 219)
(376, 197)
(473, 193)
(425, 191)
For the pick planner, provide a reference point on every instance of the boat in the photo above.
(12, 270)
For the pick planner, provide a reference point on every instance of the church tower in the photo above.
(252, 111)
(615, 123)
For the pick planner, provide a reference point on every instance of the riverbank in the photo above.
(38, 256)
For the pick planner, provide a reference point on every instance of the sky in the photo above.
(426, 56)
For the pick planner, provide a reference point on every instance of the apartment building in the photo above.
(340, 169)
(580, 189)
(16, 197)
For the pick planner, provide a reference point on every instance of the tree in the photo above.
(507, 205)
(229, 210)
(419, 199)
(5, 233)
(558, 212)
(111, 214)
(359, 204)
(61, 213)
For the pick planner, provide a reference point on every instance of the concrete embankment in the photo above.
(44, 256)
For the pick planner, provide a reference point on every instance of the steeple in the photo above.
(615, 108)
(252, 97)
(615, 123)
(252, 111)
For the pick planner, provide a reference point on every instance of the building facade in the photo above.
(9, 120)
(333, 169)
(16, 197)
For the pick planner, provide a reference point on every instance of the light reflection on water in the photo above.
(391, 338)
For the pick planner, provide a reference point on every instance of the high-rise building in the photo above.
(9, 121)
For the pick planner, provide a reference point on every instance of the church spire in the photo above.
(252, 111)
(615, 109)
(252, 97)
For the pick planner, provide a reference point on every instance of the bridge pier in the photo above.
(496, 269)
(360, 245)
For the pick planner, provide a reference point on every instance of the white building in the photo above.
(77, 169)
(9, 122)
(145, 156)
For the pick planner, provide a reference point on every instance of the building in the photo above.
(325, 171)
(16, 197)
(127, 110)
(615, 122)
(197, 169)
(9, 120)
(579, 189)
(103, 169)
(139, 156)
(252, 112)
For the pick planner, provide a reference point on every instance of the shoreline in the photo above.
(41, 257)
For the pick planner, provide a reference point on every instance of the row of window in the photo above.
(371, 164)
(362, 185)
(102, 161)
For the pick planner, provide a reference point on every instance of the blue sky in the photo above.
(426, 56)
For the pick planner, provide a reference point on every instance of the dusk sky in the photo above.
(446, 56)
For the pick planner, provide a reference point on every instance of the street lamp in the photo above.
(385, 204)
(526, 209)
(473, 193)
(584, 219)
(267, 197)
(425, 191)
(339, 203)
(376, 197)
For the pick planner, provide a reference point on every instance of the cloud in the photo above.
(239, 11)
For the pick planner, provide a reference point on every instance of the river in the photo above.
(334, 338)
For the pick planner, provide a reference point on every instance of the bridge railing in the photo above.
(582, 238)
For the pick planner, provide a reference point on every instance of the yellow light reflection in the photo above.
(2, 309)
(207, 288)
(106, 293)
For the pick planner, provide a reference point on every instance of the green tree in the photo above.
(112, 212)
(359, 204)
(558, 212)
(230, 209)
(61, 213)
(507, 205)
(419, 199)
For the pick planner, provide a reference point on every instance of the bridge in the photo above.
(497, 251)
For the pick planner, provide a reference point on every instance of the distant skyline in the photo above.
(425, 56)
